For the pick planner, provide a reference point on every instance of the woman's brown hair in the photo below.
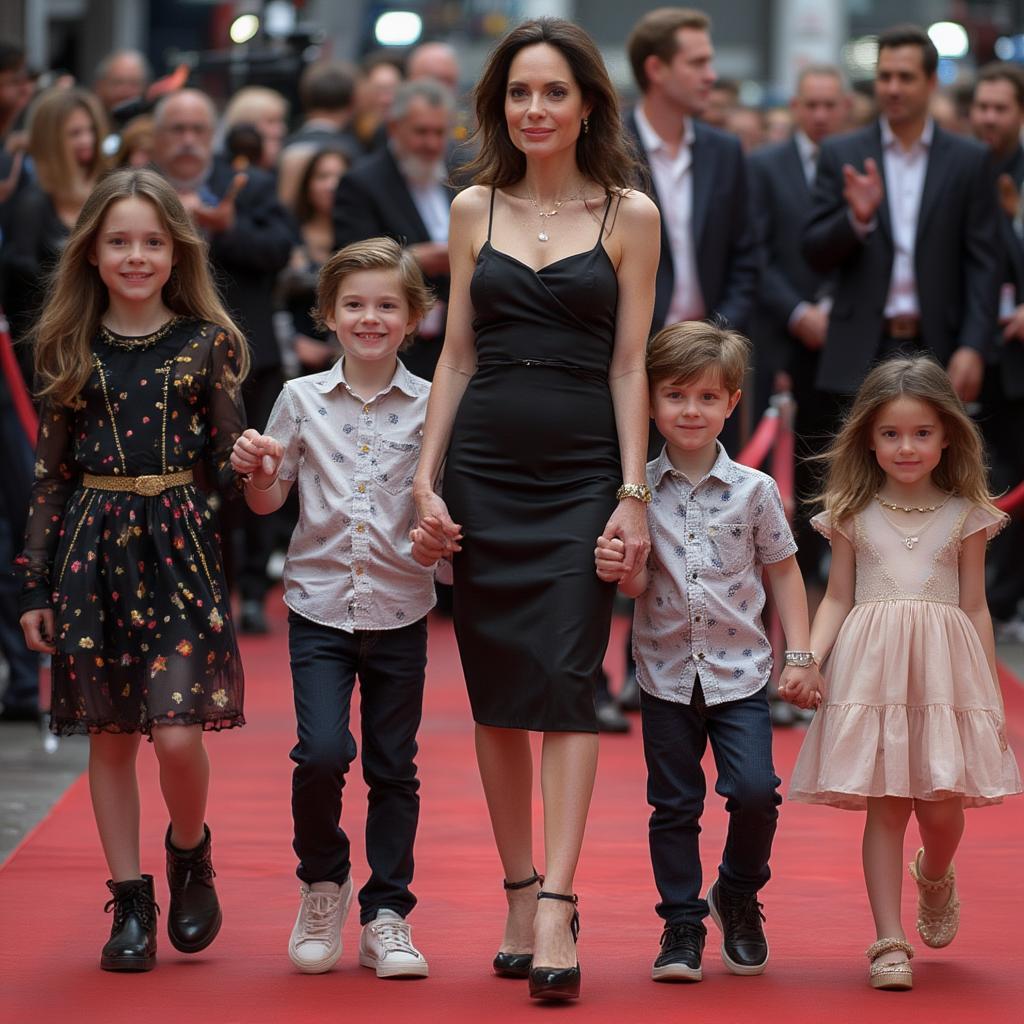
(303, 207)
(57, 175)
(853, 475)
(77, 297)
(602, 153)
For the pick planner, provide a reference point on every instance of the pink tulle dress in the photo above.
(910, 706)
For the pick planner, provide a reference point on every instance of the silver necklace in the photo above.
(909, 540)
(910, 508)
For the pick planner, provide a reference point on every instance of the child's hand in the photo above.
(258, 456)
(435, 536)
(610, 559)
(802, 686)
(38, 627)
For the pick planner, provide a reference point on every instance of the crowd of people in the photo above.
(571, 273)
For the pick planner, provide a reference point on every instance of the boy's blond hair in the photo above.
(683, 352)
(372, 254)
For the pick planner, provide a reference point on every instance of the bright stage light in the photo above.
(243, 28)
(398, 28)
(950, 39)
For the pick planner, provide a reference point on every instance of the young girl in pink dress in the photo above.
(910, 719)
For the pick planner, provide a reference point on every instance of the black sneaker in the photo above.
(744, 947)
(681, 949)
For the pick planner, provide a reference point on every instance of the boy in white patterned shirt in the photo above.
(350, 437)
(703, 660)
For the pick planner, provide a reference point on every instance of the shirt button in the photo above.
(360, 528)
(693, 497)
(359, 570)
(361, 488)
(700, 657)
(692, 536)
(366, 408)
(364, 448)
(696, 618)
(693, 575)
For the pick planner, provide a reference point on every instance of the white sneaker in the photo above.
(315, 944)
(386, 946)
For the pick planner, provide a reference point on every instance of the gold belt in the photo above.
(147, 486)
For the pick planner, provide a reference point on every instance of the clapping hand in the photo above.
(216, 219)
(435, 535)
(863, 192)
(257, 456)
(802, 686)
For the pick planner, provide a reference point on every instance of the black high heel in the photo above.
(515, 965)
(558, 982)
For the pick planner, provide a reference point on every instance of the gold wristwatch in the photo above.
(639, 491)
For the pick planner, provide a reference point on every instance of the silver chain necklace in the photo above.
(542, 235)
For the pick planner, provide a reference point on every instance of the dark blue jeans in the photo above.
(675, 738)
(390, 665)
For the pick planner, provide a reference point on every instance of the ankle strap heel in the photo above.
(525, 883)
(574, 925)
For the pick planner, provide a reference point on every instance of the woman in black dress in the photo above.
(540, 405)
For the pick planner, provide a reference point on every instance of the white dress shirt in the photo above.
(905, 171)
(673, 181)
(350, 563)
(808, 156)
(701, 611)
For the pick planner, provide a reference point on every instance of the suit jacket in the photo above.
(782, 202)
(373, 199)
(247, 258)
(725, 239)
(957, 259)
(1010, 355)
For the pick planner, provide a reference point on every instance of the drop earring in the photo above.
(586, 125)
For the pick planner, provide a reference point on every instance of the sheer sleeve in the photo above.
(979, 518)
(56, 475)
(823, 523)
(226, 411)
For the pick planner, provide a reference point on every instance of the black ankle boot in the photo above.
(132, 942)
(194, 917)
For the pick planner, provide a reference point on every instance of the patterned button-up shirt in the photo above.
(701, 612)
(350, 562)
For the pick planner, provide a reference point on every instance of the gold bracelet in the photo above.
(639, 491)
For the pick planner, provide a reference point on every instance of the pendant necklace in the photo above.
(542, 235)
(910, 508)
(909, 540)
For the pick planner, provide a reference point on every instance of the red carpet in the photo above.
(52, 893)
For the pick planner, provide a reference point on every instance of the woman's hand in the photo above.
(435, 535)
(629, 523)
(38, 627)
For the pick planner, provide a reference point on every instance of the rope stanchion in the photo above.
(761, 441)
(783, 465)
(16, 385)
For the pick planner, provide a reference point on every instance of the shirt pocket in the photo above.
(395, 463)
(730, 546)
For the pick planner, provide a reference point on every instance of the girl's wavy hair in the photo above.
(852, 473)
(603, 153)
(77, 298)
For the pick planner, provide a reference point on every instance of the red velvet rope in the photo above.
(1012, 502)
(761, 441)
(16, 385)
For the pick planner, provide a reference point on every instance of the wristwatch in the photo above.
(639, 491)
(800, 659)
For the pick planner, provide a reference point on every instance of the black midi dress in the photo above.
(143, 624)
(531, 475)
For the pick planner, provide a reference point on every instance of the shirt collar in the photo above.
(807, 149)
(724, 468)
(401, 379)
(889, 138)
(650, 139)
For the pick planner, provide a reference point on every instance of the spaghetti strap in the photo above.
(604, 219)
(490, 215)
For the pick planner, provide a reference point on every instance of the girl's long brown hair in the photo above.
(602, 152)
(77, 298)
(57, 175)
(853, 475)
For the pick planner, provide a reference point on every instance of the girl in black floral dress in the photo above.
(139, 368)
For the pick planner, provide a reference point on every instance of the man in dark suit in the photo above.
(251, 238)
(906, 214)
(791, 319)
(709, 254)
(997, 117)
(401, 191)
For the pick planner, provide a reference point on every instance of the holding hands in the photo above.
(802, 686)
(435, 536)
(257, 456)
(610, 560)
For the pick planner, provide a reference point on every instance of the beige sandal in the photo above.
(937, 926)
(898, 976)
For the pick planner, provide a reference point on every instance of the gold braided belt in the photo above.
(148, 486)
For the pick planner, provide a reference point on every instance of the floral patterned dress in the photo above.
(143, 629)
